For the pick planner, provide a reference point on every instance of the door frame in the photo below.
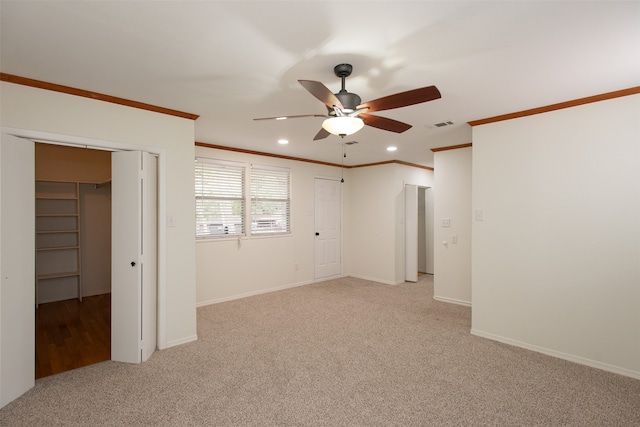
(98, 144)
(411, 233)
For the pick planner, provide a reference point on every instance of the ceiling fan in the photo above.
(346, 113)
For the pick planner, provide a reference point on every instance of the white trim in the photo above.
(559, 355)
(326, 279)
(453, 301)
(250, 294)
(373, 279)
(77, 141)
(182, 341)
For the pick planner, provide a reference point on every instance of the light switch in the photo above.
(171, 221)
(446, 222)
(479, 215)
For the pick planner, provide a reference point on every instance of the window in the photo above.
(270, 200)
(220, 198)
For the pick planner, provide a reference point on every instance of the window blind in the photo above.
(270, 200)
(220, 199)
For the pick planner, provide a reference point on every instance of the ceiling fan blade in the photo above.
(321, 92)
(384, 123)
(402, 99)
(290, 117)
(322, 134)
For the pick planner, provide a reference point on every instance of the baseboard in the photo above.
(181, 341)
(326, 279)
(373, 279)
(250, 294)
(560, 355)
(453, 301)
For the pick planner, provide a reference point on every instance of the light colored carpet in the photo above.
(346, 352)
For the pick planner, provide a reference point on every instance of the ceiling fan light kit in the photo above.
(343, 125)
(347, 115)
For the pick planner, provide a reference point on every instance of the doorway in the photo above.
(73, 258)
(418, 232)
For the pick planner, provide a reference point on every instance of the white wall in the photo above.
(556, 261)
(228, 269)
(452, 200)
(376, 220)
(372, 232)
(47, 111)
(95, 222)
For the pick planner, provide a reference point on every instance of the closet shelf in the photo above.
(57, 215)
(57, 275)
(60, 197)
(56, 231)
(58, 248)
(57, 221)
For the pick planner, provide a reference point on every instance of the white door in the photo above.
(328, 230)
(17, 268)
(133, 255)
(411, 233)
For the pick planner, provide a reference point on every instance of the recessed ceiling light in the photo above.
(392, 148)
(283, 141)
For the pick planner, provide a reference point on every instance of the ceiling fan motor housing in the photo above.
(349, 101)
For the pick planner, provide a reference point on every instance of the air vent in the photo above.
(442, 124)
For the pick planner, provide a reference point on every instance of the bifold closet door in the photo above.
(17, 263)
(133, 255)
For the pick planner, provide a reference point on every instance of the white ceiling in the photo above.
(232, 61)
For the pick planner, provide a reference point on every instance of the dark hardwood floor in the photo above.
(71, 334)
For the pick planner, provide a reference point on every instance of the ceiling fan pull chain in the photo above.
(343, 156)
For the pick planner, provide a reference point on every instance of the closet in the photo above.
(73, 223)
(73, 258)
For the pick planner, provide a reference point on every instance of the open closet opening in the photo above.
(418, 229)
(73, 257)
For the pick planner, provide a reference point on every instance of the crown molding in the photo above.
(399, 162)
(262, 153)
(451, 147)
(301, 159)
(10, 78)
(568, 104)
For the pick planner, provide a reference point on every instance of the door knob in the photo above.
(133, 263)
